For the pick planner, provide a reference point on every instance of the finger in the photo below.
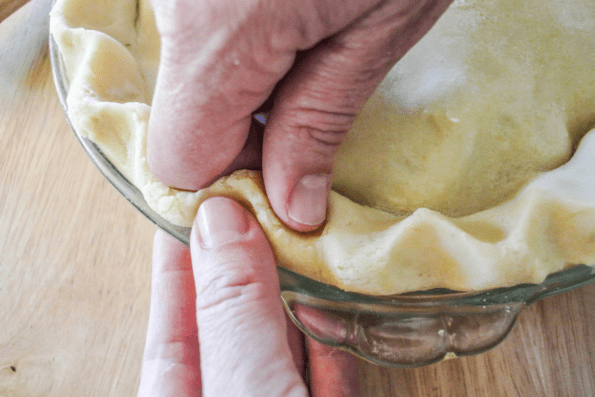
(333, 372)
(171, 361)
(296, 344)
(250, 156)
(319, 99)
(211, 77)
(219, 62)
(243, 334)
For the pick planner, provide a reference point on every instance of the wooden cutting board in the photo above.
(75, 270)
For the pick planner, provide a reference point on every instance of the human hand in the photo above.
(221, 60)
(243, 345)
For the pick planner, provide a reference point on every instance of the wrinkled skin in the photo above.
(315, 61)
(312, 65)
(244, 344)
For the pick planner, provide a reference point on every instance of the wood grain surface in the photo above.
(7, 7)
(75, 270)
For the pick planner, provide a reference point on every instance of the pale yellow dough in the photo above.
(455, 175)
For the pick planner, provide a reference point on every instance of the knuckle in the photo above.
(328, 140)
(300, 27)
(320, 130)
(224, 287)
(173, 351)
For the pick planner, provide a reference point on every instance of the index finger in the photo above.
(171, 361)
(220, 61)
(212, 76)
(333, 372)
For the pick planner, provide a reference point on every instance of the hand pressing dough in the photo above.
(461, 172)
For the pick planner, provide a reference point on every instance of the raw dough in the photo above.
(455, 175)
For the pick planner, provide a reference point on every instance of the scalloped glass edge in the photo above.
(300, 290)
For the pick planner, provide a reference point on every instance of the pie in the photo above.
(471, 167)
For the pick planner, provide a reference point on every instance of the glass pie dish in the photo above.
(407, 330)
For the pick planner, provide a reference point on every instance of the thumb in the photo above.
(316, 104)
(242, 328)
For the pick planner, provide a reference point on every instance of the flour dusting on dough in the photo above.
(455, 175)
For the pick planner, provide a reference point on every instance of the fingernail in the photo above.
(221, 221)
(307, 202)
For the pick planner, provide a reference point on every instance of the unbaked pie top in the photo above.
(469, 168)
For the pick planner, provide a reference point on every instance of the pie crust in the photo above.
(470, 168)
